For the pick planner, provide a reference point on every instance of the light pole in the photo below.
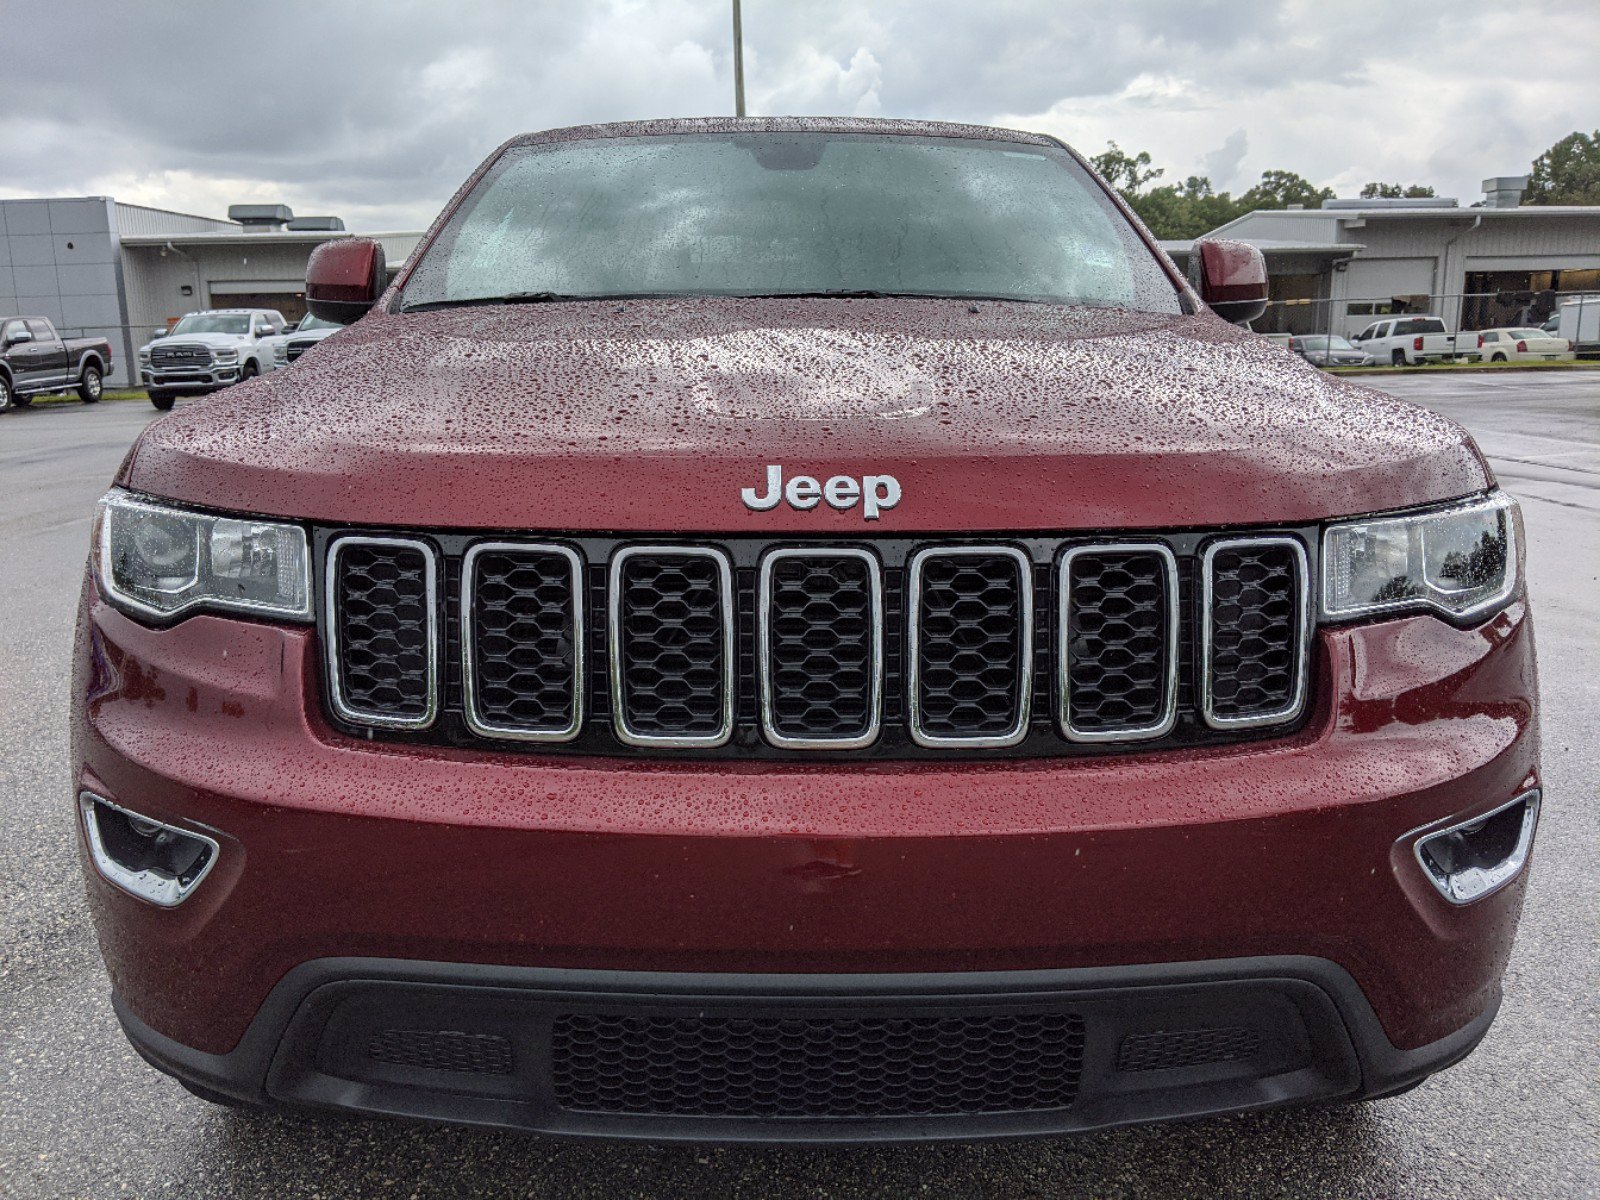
(738, 62)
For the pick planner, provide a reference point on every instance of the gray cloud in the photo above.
(377, 112)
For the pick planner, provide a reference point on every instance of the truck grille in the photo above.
(296, 347)
(180, 355)
(714, 1065)
(744, 648)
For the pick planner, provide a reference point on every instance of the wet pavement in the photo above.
(81, 1115)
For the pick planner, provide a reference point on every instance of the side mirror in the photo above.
(160, 333)
(20, 336)
(344, 279)
(1231, 277)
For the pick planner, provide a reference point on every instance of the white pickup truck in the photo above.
(1405, 341)
(209, 350)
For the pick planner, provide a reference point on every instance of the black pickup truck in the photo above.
(36, 361)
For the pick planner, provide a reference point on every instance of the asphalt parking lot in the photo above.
(82, 1115)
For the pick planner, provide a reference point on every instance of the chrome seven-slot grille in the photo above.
(889, 648)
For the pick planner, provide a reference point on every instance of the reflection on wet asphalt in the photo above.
(81, 1115)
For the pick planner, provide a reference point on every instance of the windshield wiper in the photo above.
(508, 298)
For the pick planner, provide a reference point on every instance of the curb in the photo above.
(1466, 369)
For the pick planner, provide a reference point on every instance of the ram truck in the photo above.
(207, 351)
(37, 361)
(802, 630)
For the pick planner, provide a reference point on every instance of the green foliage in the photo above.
(1194, 207)
(1393, 191)
(1567, 173)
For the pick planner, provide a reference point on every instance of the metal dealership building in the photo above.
(98, 267)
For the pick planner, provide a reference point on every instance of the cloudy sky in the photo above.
(376, 112)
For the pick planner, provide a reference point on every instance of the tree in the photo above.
(1567, 173)
(1280, 189)
(1393, 191)
(1126, 174)
(1195, 207)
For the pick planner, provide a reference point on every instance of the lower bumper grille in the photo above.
(806, 1066)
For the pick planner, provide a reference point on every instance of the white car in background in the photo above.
(288, 347)
(1523, 343)
(207, 351)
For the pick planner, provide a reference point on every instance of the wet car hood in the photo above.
(213, 341)
(654, 415)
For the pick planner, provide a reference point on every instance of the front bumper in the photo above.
(193, 380)
(332, 848)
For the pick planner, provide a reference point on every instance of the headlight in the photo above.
(144, 357)
(161, 561)
(1459, 561)
(225, 355)
(280, 352)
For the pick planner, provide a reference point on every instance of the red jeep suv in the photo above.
(802, 630)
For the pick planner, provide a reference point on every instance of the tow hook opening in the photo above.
(147, 858)
(1468, 861)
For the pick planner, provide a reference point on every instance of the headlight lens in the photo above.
(225, 355)
(1458, 561)
(160, 561)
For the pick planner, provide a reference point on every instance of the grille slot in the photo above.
(820, 648)
(1167, 1050)
(383, 624)
(971, 646)
(522, 611)
(1119, 645)
(443, 1050)
(809, 1066)
(1254, 643)
(672, 646)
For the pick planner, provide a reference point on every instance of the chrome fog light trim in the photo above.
(1462, 883)
(157, 887)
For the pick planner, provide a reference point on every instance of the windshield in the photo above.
(1524, 333)
(790, 214)
(1322, 342)
(213, 323)
(1420, 325)
(310, 322)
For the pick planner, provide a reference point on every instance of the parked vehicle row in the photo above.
(37, 361)
(1409, 341)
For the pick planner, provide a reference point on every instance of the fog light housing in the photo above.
(150, 859)
(1469, 860)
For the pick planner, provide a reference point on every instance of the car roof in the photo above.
(205, 312)
(713, 125)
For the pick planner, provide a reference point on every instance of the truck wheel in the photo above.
(90, 385)
(163, 400)
(5, 393)
(249, 371)
(1398, 358)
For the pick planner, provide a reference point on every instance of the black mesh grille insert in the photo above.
(1256, 627)
(822, 626)
(1117, 640)
(673, 618)
(1168, 1049)
(972, 646)
(816, 1066)
(443, 1050)
(524, 660)
(383, 617)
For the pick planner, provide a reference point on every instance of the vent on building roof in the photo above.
(261, 216)
(1399, 202)
(316, 225)
(1504, 191)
